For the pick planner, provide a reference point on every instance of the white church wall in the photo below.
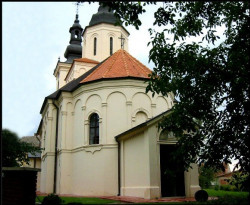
(192, 180)
(69, 126)
(102, 32)
(48, 155)
(135, 168)
(78, 124)
(116, 115)
(100, 163)
(162, 104)
(64, 173)
(117, 103)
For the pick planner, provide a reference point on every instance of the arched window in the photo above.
(111, 45)
(167, 135)
(94, 129)
(95, 43)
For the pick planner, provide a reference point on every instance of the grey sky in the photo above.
(34, 35)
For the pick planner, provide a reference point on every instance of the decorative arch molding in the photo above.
(92, 96)
(90, 113)
(111, 34)
(78, 100)
(94, 35)
(161, 97)
(170, 140)
(140, 110)
(144, 94)
(114, 93)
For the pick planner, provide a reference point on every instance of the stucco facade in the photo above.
(120, 104)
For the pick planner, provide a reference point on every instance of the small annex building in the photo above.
(99, 128)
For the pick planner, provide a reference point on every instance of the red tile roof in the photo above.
(120, 64)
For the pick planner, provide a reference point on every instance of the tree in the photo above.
(206, 176)
(210, 82)
(14, 152)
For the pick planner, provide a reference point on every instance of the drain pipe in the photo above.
(55, 165)
(119, 168)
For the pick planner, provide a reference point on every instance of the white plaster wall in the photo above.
(135, 165)
(95, 171)
(118, 103)
(78, 125)
(116, 115)
(60, 73)
(78, 68)
(69, 126)
(103, 32)
(48, 155)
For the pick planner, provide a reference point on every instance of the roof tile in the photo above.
(120, 64)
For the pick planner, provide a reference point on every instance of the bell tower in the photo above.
(73, 51)
(103, 36)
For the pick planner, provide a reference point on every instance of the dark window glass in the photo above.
(94, 129)
(111, 45)
(95, 43)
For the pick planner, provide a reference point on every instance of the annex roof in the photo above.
(120, 64)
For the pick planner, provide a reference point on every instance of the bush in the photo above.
(228, 188)
(201, 196)
(216, 187)
(52, 199)
(229, 200)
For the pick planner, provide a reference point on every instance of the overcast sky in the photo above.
(34, 35)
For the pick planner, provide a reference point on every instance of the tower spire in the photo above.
(74, 49)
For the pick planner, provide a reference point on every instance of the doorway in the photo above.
(172, 173)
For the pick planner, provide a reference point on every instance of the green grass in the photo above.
(232, 197)
(220, 193)
(83, 200)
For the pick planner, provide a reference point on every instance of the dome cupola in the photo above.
(74, 49)
(103, 16)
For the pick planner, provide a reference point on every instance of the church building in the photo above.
(99, 129)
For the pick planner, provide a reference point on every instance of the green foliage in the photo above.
(227, 187)
(234, 200)
(221, 193)
(206, 176)
(14, 152)
(210, 82)
(239, 180)
(52, 199)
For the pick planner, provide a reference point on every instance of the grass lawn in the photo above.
(83, 200)
(220, 193)
(232, 197)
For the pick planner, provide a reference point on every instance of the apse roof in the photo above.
(120, 64)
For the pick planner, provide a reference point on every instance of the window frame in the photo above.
(95, 46)
(94, 136)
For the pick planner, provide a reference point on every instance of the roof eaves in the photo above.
(144, 124)
(69, 87)
(101, 23)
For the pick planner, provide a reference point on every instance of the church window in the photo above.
(95, 43)
(166, 135)
(111, 45)
(76, 34)
(94, 129)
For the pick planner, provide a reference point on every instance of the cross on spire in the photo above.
(122, 41)
(77, 6)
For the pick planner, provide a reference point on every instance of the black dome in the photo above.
(103, 16)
